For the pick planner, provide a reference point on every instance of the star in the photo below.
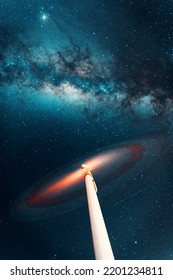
(44, 17)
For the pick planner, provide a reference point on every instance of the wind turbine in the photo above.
(101, 243)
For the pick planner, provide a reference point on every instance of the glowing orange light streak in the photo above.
(99, 161)
(71, 179)
(69, 184)
(75, 177)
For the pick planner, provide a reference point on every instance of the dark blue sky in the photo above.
(77, 76)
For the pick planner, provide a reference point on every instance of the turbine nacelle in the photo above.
(85, 170)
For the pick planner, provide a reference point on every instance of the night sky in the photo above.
(76, 77)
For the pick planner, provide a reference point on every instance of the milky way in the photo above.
(135, 73)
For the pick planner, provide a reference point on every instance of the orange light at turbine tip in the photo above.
(99, 161)
(64, 183)
(75, 177)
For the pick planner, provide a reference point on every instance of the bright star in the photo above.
(44, 17)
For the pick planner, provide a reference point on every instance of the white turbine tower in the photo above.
(101, 243)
